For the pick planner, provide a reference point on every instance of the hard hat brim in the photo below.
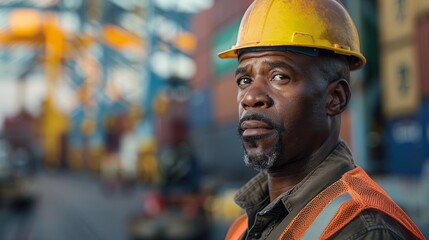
(357, 60)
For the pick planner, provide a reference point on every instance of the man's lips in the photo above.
(253, 128)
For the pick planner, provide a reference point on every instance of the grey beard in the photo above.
(263, 161)
(266, 160)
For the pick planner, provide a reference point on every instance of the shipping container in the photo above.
(399, 82)
(226, 11)
(203, 54)
(202, 25)
(200, 109)
(225, 100)
(397, 20)
(223, 40)
(423, 54)
(346, 126)
(171, 125)
(203, 74)
(404, 146)
(422, 7)
(425, 124)
(220, 152)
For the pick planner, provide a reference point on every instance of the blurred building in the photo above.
(213, 112)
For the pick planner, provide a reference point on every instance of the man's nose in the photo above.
(257, 96)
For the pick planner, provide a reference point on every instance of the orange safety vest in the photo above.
(335, 207)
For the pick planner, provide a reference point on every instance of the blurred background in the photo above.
(118, 121)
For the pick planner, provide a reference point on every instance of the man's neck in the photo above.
(283, 179)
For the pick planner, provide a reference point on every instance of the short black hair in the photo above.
(335, 66)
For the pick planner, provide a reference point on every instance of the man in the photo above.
(295, 58)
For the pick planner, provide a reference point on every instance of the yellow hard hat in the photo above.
(300, 24)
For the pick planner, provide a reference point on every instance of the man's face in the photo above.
(282, 107)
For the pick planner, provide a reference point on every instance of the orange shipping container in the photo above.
(225, 100)
(346, 127)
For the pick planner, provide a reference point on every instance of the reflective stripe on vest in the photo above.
(325, 217)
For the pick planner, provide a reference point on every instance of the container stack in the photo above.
(404, 51)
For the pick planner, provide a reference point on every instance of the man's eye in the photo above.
(281, 77)
(243, 81)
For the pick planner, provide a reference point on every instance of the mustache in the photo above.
(262, 118)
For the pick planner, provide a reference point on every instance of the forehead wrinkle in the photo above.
(277, 64)
(273, 63)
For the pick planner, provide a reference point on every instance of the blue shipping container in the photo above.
(425, 124)
(406, 143)
(200, 109)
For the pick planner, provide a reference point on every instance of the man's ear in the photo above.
(339, 95)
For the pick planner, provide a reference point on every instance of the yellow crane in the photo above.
(43, 29)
